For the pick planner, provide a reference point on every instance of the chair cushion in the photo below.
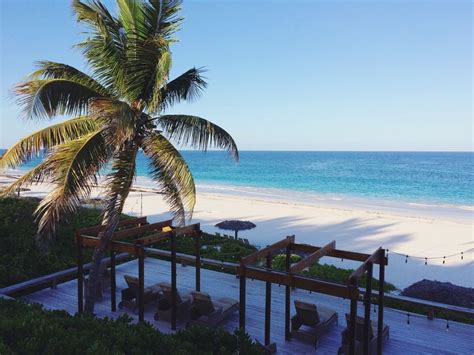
(307, 313)
(202, 302)
(167, 290)
(360, 321)
(132, 281)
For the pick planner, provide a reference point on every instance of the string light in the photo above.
(447, 325)
(408, 319)
(342, 259)
(222, 264)
(426, 258)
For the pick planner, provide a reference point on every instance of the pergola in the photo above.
(291, 279)
(139, 234)
(145, 234)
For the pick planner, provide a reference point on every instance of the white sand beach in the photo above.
(416, 230)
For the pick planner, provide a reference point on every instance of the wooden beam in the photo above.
(192, 230)
(113, 284)
(122, 247)
(268, 250)
(198, 263)
(352, 327)
(80, 276)
(288, 294)
(153, 238)
(374, 259)
(268, 303)
(141, 286)
(313, 258)
(381, 299)
(336, 253)
(123, 223)
(138, 231)
(174, 297)
(242, 291)
(367, 297)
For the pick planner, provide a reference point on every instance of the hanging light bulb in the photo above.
(426, 261)
(447, 325)
(342, 259)
(444, 259)
(222, 265)
(375, 308)
(462, 255)
(408, 319)
(406, 259)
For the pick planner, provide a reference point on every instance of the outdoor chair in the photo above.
(183, 303)
(310, 321)
(359, 344)
(206, 312)
(130, 294)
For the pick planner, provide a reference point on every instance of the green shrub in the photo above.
(29, 329)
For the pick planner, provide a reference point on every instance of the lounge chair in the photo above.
(359, 344)
(311, 322)
(130, 294)
(183, 303)
(204, 311)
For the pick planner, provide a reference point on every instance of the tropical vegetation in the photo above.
(29, 329)
(113, 111)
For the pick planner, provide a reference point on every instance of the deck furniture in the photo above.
(164, 309)
(310, 321)
(130, 294)
(206, 312)
(359, 349)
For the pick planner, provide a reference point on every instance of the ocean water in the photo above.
(424, 177)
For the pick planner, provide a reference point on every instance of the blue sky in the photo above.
(291, 75)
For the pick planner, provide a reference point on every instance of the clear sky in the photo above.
(291, 75)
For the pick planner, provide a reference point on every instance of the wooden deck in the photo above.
(422, 336)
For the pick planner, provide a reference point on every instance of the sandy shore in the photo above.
(416, 230)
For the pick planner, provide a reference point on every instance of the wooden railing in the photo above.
(62, 276)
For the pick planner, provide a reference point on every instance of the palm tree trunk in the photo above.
(94, 275)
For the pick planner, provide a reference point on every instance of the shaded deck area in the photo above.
(422, 336)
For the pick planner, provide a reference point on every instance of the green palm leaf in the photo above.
(45, 139)
(197, 132)
(170, 170)
(50, 97)
(188, 87)
(76, 165)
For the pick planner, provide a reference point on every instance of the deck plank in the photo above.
(422, 336)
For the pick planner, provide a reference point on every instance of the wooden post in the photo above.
(268, 303)
(383, 260)
(173, 280)
(352, 328)
(287, 296)
(80, 275)
(368, 295)
(242, 298)
(141, 284)
(113, 296)
(198, 262)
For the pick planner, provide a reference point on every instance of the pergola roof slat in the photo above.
(123, 223)
(313, 258)
(375, 258)
(142, 229)
(268, 250)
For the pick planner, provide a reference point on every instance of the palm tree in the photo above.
(118, 110)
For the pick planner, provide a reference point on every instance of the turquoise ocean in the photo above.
(424, 177)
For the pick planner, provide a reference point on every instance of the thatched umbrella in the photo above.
(235, 226)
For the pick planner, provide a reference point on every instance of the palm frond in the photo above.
(170, 170)
(105, 46)
(188, 87)
(50, 97)
(76, 165)
(52, 70)
(45, 139)
(117, 117)
(38, 174)
(197, 132)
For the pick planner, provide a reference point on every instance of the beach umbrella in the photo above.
(235, 225)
